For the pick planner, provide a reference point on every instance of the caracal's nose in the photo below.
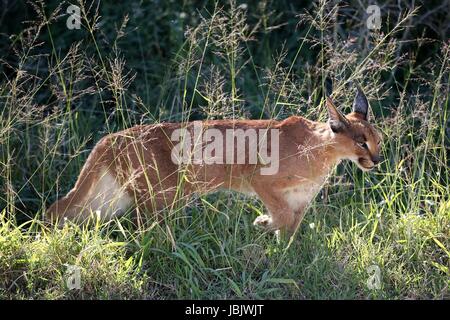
(376, 159)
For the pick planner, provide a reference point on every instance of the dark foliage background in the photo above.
(155, 32)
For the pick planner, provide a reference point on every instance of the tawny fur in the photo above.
(134, 168)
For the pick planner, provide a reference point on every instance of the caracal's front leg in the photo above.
(281, 216)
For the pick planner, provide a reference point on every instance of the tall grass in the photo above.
(227, 60)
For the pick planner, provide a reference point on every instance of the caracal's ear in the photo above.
(337, 121)
(360, 104)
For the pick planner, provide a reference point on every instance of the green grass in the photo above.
(233, 63)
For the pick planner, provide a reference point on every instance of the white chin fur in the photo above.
(355, 161)
(364, 169)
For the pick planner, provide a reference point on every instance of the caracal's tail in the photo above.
(96, 191)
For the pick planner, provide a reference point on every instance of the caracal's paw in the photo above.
(264, 221)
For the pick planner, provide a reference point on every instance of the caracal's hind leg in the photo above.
(96, 191)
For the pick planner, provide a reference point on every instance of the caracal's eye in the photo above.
(363, 145)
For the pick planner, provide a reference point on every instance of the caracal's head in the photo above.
(356, 139)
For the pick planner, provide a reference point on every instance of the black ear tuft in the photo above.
(360, 104)
(328, 86)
